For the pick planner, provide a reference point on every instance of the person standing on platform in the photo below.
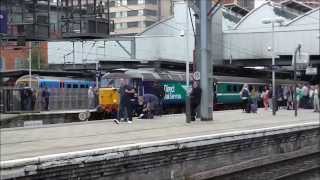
(311, 96)
(290, 98)
(96, 97)
(245, 95)
(160, 93)
(254, 100)
(91, 97)
(46, 96)
(299, 95)
(195, 99)
(316, 105)
(305, 96)
(270, 95)
(126, 94)
(34, 99)
(265, 98)
(279, 97)
(121, 110)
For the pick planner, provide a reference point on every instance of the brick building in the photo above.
(14, 57)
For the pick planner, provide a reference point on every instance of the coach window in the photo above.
(235, 89)
(82, 86)
(229, 88)
(68, 85)
(75, 86)
(239, 87)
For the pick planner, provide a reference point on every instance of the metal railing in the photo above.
(14, 100)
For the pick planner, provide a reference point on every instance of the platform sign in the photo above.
(311, 71)
(174, 90)
(196, 76)
(3, 22)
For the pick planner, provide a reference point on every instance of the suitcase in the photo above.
(254, 108)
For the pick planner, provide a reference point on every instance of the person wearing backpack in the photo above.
(245, 95)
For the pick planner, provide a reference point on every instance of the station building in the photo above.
(247, 42)
(238, 37)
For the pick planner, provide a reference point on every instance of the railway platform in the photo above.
(27, 142)
(164, 147)
(26, 119)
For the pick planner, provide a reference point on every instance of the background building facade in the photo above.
(133, 16)
(13, 57)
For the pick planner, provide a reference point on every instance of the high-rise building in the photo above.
(133, 16)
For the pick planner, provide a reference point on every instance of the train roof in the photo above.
(180, 76)
(52, 78)
(146, 74)
(233, 79)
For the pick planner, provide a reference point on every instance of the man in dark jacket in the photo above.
(46, 96)
(160, 93)
(126, 95)
(195, 99)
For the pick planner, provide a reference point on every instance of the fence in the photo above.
(23, 99)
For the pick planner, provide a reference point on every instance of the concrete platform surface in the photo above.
(15, 115)
(18, 143)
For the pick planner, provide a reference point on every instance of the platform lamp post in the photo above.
(30, 59)
(273, 22)
(186, 34)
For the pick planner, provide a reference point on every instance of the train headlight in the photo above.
(114, 101)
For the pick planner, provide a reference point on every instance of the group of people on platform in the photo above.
(145, 107)
(150, 104)
(307, 97)
(28, 98)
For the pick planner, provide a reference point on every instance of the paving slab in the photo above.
(27, 142)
